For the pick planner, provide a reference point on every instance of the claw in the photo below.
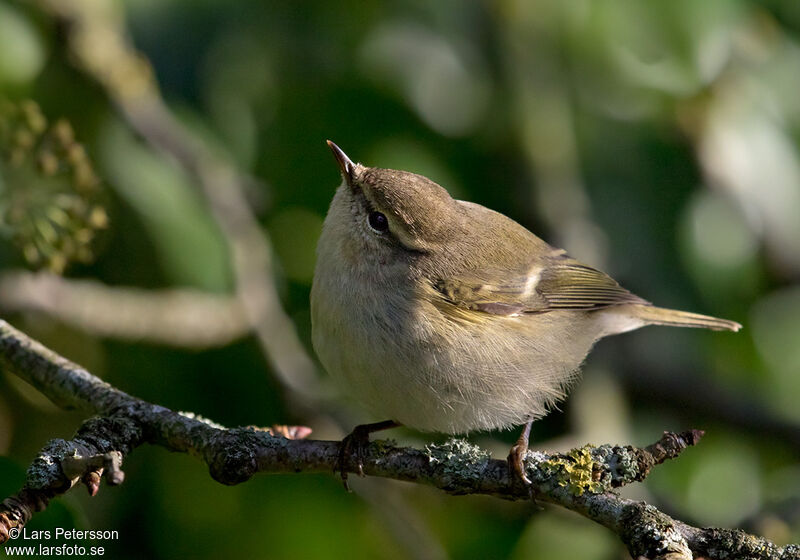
(92, 481)
(516, 456)
(355, 445)
(516, 463)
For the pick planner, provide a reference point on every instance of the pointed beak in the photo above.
(345, 163)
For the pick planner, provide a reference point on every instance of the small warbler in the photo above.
(445, 316)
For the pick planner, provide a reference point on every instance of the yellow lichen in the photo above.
(574, 471)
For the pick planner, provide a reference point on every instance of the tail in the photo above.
(673, 318)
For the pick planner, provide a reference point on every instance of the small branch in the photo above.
(698, 396)
(17, 510)
(581, 480)
(97, 449)
(182, 318)
(97, 40)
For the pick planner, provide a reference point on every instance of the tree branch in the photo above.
(176, 317)
(97, 40)
(581, 480)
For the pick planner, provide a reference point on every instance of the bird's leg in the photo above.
(516, 457)
(355, 444)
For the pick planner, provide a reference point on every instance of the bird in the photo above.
(445, 316)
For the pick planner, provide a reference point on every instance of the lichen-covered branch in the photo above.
(581, 480)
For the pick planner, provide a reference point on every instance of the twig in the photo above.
(127, 79)
(97, 40)
(698, 396)
(234, 455)
(176, 317)
(580, 480)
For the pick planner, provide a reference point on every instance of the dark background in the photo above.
(657, 141)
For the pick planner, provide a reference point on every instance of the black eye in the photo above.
(378, 222)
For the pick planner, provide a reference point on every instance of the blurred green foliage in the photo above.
(50, 205)
(657, 140)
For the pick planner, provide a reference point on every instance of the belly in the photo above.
(433, 372)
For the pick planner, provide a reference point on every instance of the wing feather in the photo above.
(556, 282)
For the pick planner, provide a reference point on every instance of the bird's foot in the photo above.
(354, 446)
(516, 463)
(516, 458)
